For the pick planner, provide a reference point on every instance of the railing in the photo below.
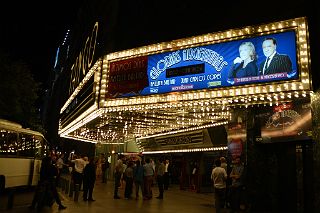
(67, 186)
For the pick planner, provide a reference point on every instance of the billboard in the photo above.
(128, 77)
(82, 101)
(285, 122)
(254, 60)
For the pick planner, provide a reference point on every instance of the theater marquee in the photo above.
(208, 67)
(186, 84)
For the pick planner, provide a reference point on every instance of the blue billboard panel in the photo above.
(254, 60)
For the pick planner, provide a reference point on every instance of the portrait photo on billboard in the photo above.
(237, 133)
(236, 140)
(252, 60)
(265, 58)
(284, 123)
(259, 59)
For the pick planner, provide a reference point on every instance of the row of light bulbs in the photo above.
(212, 38)
(199, 106)
(303, 85)
(206, 149)
(271, 94)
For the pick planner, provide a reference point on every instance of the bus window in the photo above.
(21, 151)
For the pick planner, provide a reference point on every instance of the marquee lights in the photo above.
(218, 102)
(209, 149)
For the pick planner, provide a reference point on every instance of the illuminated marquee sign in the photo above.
(84, 61)
(283, 123)
(254, 60)
(128, 76)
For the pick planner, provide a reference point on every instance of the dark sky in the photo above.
(32, 30)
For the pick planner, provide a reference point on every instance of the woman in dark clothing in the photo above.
(129, 180)
(89, 178)
(138, 178)
(244, 65)
(46, 189)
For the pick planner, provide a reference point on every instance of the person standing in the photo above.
(46, 186)
(160, 178)
(228, 181)
(59, 164)
(79, 165)
(219, 177)
(138, 178)
(236, 186)
(117, 176)
(194, 176)
(274, 62)
(98, 163)
(128, 174)
(166, 176)
(89, 178)
(148, 173)
(104, 167)
(224, 163)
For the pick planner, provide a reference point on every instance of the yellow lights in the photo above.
(115, 123)
(162, 114)
(183, 130)
(82, 83)
(208, 149)
(84, 118)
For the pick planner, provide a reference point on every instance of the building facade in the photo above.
(185, 95)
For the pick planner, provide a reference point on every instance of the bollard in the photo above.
(76, 192)
(67, 185)
(10, 199)
(71, 189)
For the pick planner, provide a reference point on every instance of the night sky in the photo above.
(31, 31)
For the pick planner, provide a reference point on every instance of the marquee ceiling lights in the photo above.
(221, 148)
(114, 120)
(115, 124)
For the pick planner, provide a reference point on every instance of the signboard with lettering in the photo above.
(83, 100)
(285, 122)
(254, 60)
(186, 140)
(128, 77)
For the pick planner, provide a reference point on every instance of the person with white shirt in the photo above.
(219, 177)
(119, 169)
(79, 164)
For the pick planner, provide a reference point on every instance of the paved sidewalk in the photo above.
(175, 200)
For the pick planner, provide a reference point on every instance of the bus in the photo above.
(21, 151)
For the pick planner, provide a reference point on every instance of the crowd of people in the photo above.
(228, 186)
(84, 172)
(141, 175)
(137, 178)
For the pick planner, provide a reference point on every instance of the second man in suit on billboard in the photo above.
(274, 62)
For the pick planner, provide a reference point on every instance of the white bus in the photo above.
(21, 151)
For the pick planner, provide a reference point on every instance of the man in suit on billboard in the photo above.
(274, 62)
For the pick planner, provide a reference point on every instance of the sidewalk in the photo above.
(175, 200)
